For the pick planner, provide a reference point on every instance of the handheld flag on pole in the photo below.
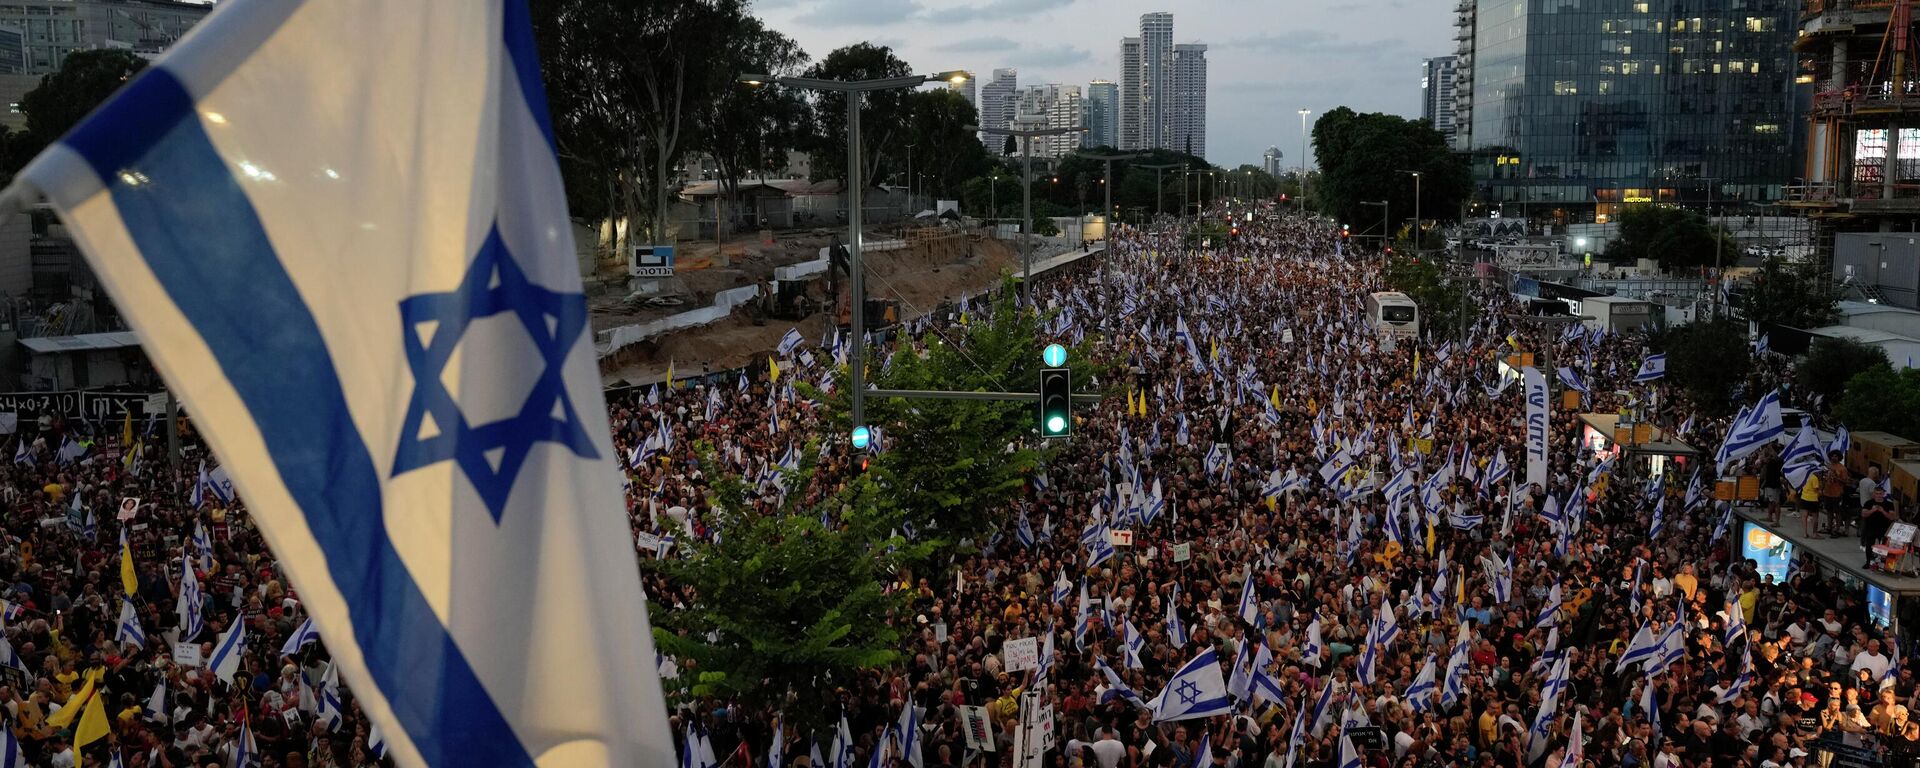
(304, 275)
(1196, 690)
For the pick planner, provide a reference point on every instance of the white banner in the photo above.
(1537, 419)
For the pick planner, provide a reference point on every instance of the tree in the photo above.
(1796, 295)
(1446, 303)
(883, 114)
(1707, 360)
(1362, 159)
(1881, 399)
(747, 130)
(783, 605)
(945, 154)
(1676, 238)
(967, 458)
(84, 80)
(1831, 363)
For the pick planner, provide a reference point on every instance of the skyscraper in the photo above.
(1102, 109)
(966, 90)
(1156, 77)
(1132, 69)
(1580, 110)
(1270, 162)
(1436, 94)
(1186, 115)
(1465, 16)
(1052, 106)
(997, 106)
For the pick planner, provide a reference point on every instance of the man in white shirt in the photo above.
(1108, 751)
(1871, 659)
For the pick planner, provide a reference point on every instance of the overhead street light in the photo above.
(856, 288)
(1026, 137)
(1159, 186)
(1417, 225)
(1108, 183)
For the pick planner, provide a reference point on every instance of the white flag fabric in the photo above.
(340, 232)
(1537, 424)
(225, 660)
(1197, 690)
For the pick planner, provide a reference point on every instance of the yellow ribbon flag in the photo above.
(128, 578)
(1416, 363)
(1143, 403)
(669, 375)
(93, 727)
(126, 429)
(72, 709)
(773, 371)
(1213, 349)
(1274, 397)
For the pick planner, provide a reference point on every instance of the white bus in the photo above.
(1393, 315)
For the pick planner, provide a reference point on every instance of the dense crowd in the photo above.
(1469, 620)
(1342, 524)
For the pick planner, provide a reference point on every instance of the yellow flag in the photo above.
(1416, 363)
(1143, 403)
(1460, 591)
(66, 715)
(773, 371)
(1429, 539)
(93, 726)
(669, 375)
(127, 576)
(1274, 397)
(133, 455)
(1213, 349)
(126, 429)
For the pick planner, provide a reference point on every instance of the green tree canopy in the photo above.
(945, 154)
(1677, 238)
(749, 131)
(1831, 363)
(1363, 158)
(1797, 295)
(1444, 300)
(84, 80)
(883, 114)
(1881, 399)
(1707, 360)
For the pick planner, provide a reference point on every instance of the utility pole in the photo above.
(1159, 185)
(1108, 159)
(1026, 195)
(909, 210)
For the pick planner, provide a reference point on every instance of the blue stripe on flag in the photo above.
(220, 269)
(518, 29)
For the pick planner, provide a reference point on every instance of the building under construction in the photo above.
(1861, 183)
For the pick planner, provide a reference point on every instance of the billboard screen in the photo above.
(1772, 555)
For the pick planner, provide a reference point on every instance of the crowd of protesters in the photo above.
(1253, 367)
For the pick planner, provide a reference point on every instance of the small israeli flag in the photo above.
(789, 342)
(225, 660)
(129, 630)
(1653, 367)
(340, 232)
(302, 637)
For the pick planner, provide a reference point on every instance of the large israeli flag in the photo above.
(339, 229)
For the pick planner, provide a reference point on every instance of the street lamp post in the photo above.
(909, 208)
(1026, 196)
(1417, 224)
(1386, 215)
(1107, 247)
(1303, 150)
(856, 296)
(1159, 185)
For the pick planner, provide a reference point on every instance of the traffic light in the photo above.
(1056, 402)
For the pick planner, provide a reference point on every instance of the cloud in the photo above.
(1304, 42)
(997, 10)
(992, 44)
(1049, 56)
(859, 13)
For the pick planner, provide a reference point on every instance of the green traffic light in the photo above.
(1056, 424)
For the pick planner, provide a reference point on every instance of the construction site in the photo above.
(1860, 189)
(728, 304)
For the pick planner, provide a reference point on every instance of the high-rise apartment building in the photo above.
(1436, 94)
(54, 28)
(1102, 115)
(998, 106)
(1270, 162)
(1465, 16)
(1186, 116)
(966, 89)
(1132, 69)
(1580, 110)
(1051, 106)
(1156, 77)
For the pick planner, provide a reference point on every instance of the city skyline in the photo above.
(1264, 63)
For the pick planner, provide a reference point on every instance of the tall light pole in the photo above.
(1416, 209)
(909, 209)
(1303, 150)
(1159, 185)
(1386, 215)
(1026, 137)
(856, 295)
(1108, 159)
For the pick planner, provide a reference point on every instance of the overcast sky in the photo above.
(1265, 60)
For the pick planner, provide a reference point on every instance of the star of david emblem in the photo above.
(1187, 691)
(435, 428)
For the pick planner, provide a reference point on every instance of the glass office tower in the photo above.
(1583, 106)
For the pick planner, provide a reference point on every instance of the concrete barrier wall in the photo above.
(613, 340)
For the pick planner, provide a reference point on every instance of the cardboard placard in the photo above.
(978, 728)
(1182, 552)
(1022, 654)
(1900, 534)
(186, 654)
(1120, 538)
(129, 507)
